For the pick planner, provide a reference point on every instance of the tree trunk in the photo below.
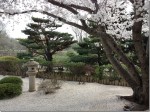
(49, 58)
(132, 70)
(141, 53)
(140, 91)
(117, 66)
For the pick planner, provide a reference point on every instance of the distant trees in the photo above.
(44, 40)
(7, 43)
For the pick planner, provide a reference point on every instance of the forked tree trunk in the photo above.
(140, 88)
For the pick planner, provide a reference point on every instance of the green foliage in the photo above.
(89, 53)
(110, 73)
(49, 43)
(9, 64)
(106, 72)
(24, 55)
(9, 90)
(14, 80)
(71, 53)
(10, 87)
(99, 72)
(61, 58)
(89, 59)
(8, 58)
(76, 68)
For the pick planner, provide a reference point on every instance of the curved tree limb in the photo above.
(70, 7)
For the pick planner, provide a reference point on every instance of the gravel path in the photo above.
(71, 97)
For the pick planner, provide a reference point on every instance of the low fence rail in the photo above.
(62, 76)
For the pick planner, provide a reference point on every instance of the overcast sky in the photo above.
(14, 30)
(16, 24)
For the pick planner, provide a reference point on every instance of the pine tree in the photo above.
(89, 53)
(44, 40)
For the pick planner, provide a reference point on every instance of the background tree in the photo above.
(9, 44)
(89, 53)
(43, 40)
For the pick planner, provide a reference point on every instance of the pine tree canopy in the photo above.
(43, 39)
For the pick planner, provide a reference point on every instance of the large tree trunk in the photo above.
(140, 88)
(117, 66)
(132, 70)
(141, 53)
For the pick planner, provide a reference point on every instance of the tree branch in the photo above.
(60, 4)
(49, 14)
(71, 6)
(82, 8)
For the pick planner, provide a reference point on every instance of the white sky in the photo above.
(14, 30)
(16, 24)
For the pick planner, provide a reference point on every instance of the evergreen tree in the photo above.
(89, 53)
(44, 40)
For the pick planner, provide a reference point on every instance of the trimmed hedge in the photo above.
(76, 68)
(9, 58)
(9, 64)
(9, 90)
(10, 87)
(14, 80)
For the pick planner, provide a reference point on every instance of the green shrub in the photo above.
(71, 53)
(76, 68)
(99, 72)
(9, 64)
(110, 73)
(14, 80)
(89, 59)
(8, 58)
(24, 55)
(10, 87)
(9, 90)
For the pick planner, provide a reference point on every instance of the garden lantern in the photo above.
(32, 71)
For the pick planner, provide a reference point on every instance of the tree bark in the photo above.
(49, 58)
(141, 52)
(140, 92)
(117, 66)
(132, 70)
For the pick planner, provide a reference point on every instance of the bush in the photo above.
(10, 87)
(8, 58)
(110, 73)
(76, 68)
(89, 59)
(24, 55)
(9, 90)
(9, 64)
(99, 72)
(49, 86)
(71, 53)
(14, 80)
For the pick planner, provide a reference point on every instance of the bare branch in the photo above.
(63, 6)
(83, 23)
(15, 13)
(82, 8)
(71, 6)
